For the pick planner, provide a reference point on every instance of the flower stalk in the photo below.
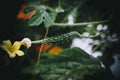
(62, 37)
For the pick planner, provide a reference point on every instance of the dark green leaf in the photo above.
(36, 20)
(74, 54)
(69, 63)
(27, 10)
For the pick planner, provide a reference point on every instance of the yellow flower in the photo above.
(12, 50)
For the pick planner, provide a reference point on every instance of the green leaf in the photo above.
(74, 55)
(59, 10)
(69, 63)
(38, 18)
(49, 19)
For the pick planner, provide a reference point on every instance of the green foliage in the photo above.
(52, 16)
(92, 30)
(74, 62)
(41, 14)
(70, 63)
(74, 54)
(47, 18)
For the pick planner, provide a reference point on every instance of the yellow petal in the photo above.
(20, 53)
(16, 46)
(4, 47)
(8, 51)
(12, 55)
(7, 43)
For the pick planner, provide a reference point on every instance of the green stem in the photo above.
(59, 4)
(63, 37)
(98, 46)
(40, 51)
(78, 24)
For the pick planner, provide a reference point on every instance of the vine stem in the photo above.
(40, 51)
(63, 37)
(59, 4)
(78, 24)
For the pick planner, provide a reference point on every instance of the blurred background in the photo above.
(12, 28)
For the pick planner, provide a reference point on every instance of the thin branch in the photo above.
(79, 24)
(40, 51)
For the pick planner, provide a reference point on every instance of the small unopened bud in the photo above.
(26, 42)
(70, 19)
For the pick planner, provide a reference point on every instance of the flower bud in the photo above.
(26, 42)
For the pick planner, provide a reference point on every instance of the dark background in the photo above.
(8, 20)
(9, 28)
